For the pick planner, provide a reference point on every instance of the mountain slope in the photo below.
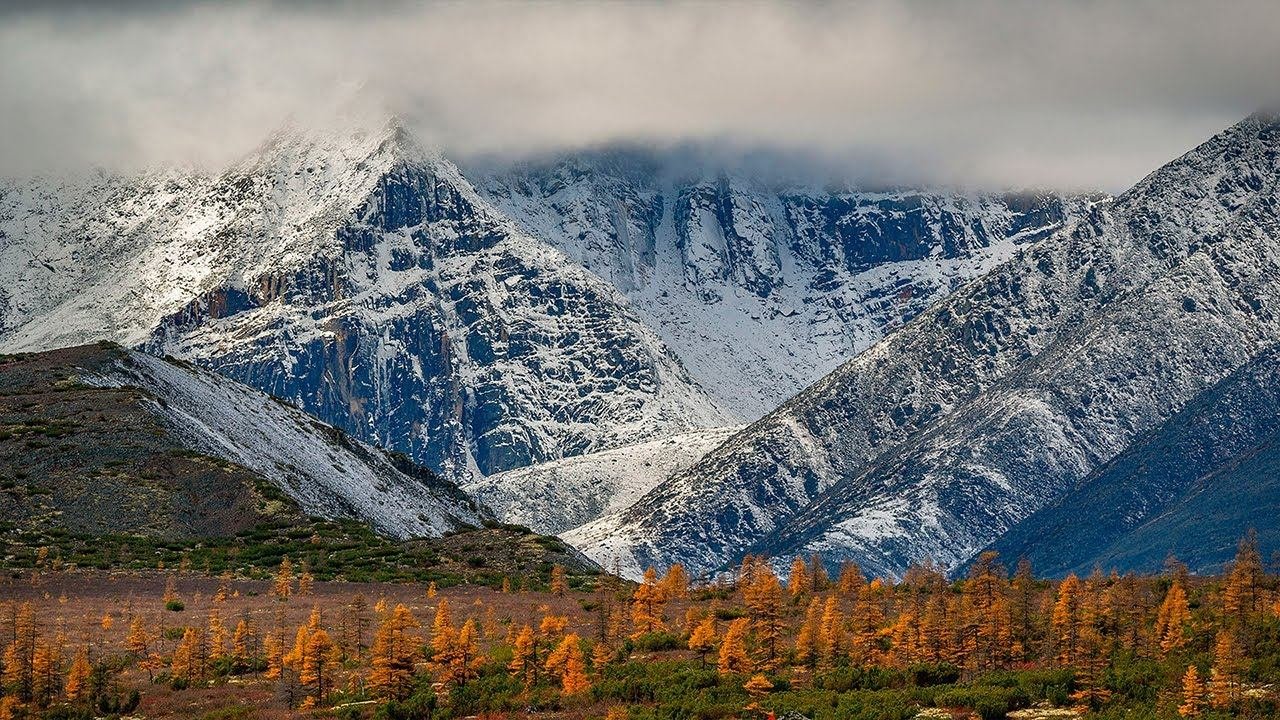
(997, 400)
(1191, 488)
(562, 494)
(762, 287)
(362, 278)
(174, 451)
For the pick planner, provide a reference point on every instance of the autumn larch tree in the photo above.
(851, 580)
(809, 638)
(524, 657)
(602, 656)
(733, 649)
(137, 640)
(559, 583)
(1023, 610)
(568, 662)
(799, 583)
(358, 619)
(77, 685)
(986, 632)
(1068, 620)
(19, 656)
(703, 638)
(864, 625)
(217, 635)
(1192, 693)
(763, 598)
(318, 662)
(242, 641)
(393, 654)
(818, 576)
(1173, 620)
(305, 581)
(1242, 599)
(647, 604)
(282, 588)
(1224, 676)
(757, 688)
(675, 583)
(832, 634)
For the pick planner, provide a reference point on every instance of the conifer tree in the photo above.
(553, 626)
(393, 654)
(77, 686)
(524, 657)
(703, 639)
(19, 656)
(733, 649)
(818, 573)
(832, 634)
(1022, 609)
(46, 671)
(809, 638)
(757, 687)
(763, 598)
(647, 604)
(559, 584)
(1224, 680)
(986, 632)
(904, 640)
(864, 625)
(798, 582)
(273, 648)
(317, 664)
(137, 640)
(466, 656)
(602, 656)
(1173, 620)
(294, 658)
(1068, 620)
(568, 662)
(358, 611)
(675, 584)
(851, 580)
(242, 642)
(1243, 597)
(305, 581)
(282, 588)
(1192, 693)
(217, 635)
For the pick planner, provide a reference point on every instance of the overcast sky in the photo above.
(984, 92)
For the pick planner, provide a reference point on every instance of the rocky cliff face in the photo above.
(998, 399)
(763, 287)
(361, 278)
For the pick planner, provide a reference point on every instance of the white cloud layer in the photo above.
(1002, 93)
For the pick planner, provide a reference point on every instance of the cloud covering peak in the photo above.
(989, 92)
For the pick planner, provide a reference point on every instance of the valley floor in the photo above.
(176, 642)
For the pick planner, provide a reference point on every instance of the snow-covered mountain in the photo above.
(760, 286)
(361, 278)
(552, 314)
(997, 400)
